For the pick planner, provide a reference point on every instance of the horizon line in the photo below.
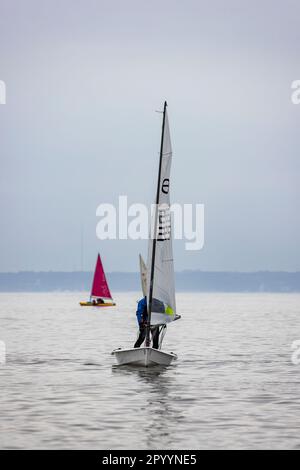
(137, 272)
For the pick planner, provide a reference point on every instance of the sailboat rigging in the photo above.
(160, 286)
(150, 301)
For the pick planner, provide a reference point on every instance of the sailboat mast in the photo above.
(155, 230)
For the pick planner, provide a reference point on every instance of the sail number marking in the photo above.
(164, 223)
(165, 186)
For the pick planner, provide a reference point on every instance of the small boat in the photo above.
(100, 293)
(143, 357)
(157, 277)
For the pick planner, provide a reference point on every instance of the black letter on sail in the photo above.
(165, 186)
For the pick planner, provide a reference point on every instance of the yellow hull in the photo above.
(90, 304)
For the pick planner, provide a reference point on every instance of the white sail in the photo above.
(143, 273)
(163, 303)
(160, 287)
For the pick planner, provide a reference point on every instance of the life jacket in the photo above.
(141, 313)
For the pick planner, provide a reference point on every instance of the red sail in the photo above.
(100, 286)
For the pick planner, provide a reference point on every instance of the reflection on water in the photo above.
(234, 384)
(160, 409)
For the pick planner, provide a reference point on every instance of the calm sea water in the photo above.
(234, 384)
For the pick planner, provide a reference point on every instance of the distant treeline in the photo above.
(193, 281)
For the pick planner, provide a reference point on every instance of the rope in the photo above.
(162, 333)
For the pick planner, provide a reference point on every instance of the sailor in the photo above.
(142, 316)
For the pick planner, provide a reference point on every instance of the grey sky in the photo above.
(83, 81)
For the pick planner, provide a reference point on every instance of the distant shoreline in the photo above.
(186, 281)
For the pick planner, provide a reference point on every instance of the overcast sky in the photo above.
(79, 128)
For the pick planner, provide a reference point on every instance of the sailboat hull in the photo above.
(145, 357)
(90, 304)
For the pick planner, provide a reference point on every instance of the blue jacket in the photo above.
(141, 313)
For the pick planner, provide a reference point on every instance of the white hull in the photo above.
(145, 357)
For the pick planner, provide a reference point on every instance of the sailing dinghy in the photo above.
(159, 272)
(100, 293)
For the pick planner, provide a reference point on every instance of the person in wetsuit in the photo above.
(142, 317)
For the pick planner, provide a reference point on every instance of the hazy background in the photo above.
(83, 81)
